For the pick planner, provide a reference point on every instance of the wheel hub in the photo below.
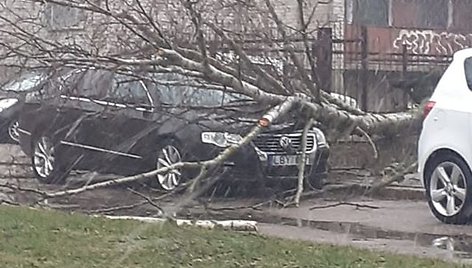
(13, 131)
(448, 189)
(168, 156)
(43, 157)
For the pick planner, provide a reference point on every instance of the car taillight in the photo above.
(428, 107)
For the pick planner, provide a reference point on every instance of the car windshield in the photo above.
(178, 90)
(25, 82)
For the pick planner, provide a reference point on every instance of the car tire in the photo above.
(46, 162)
(448, 181)
(170, 152)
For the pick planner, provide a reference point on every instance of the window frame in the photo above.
(49, 18)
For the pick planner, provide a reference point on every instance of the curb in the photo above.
(413, 193)
(401, 193)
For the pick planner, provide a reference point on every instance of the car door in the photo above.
(127, 121)
(82, 134)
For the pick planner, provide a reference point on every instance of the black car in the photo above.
(12, 96)
(105, 121)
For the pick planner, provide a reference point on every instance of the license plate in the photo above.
(286, 160)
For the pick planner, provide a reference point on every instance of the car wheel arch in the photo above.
(439, 153)
(166, 137)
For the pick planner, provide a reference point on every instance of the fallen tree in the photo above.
(192, 44)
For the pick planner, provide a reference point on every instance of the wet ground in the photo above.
(401, 226)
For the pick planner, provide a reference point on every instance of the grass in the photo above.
(38, 238)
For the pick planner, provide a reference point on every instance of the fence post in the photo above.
(323, 53)
(365, 67)
(404, 71)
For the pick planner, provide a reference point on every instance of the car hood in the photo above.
(238, 120)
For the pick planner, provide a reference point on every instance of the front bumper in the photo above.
(250, 163)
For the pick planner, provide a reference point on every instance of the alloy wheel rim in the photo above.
(13, 131)
(168, 156)
(448, 189)
(44, 157)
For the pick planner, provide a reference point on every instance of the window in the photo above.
(371, 12)
(93, 84)
(433, 14)
(25, 82)
(420, 13)
(60, 17)
(462, 15)
(178, 90)
(129, 90)
(468, 71)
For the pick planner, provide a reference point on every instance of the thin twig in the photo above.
(148, 199)
(369, 139)
(358, 206)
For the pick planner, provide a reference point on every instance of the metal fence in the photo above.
(350, 64)
(380, 80)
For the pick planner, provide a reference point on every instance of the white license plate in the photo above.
(286, 160)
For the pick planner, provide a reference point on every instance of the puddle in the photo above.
(458, 246)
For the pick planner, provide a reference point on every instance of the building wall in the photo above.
(98, 35)
(438, 27)
(431, 31)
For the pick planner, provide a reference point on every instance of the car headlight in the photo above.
(7, 103)
(221, 139)
(320, 137)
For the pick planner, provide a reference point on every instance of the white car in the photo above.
(445, 144)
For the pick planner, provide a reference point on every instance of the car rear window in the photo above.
(25, 82)
(468, 71)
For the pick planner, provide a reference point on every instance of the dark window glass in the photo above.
(92, 84)
(468, 71)
(26, 82)
(371, 12)
(129, 90)
(433, 14)
(425, 14)
(179, 90)
(462, 14)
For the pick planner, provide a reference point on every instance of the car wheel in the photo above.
(46, 164)
(13, 131)
(448, 182)
(169, 154)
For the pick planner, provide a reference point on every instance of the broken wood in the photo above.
(235, 225)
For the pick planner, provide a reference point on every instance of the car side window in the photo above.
(91, 84)
(128, 90)
(468, 71)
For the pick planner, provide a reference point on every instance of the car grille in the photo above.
(270, 143)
